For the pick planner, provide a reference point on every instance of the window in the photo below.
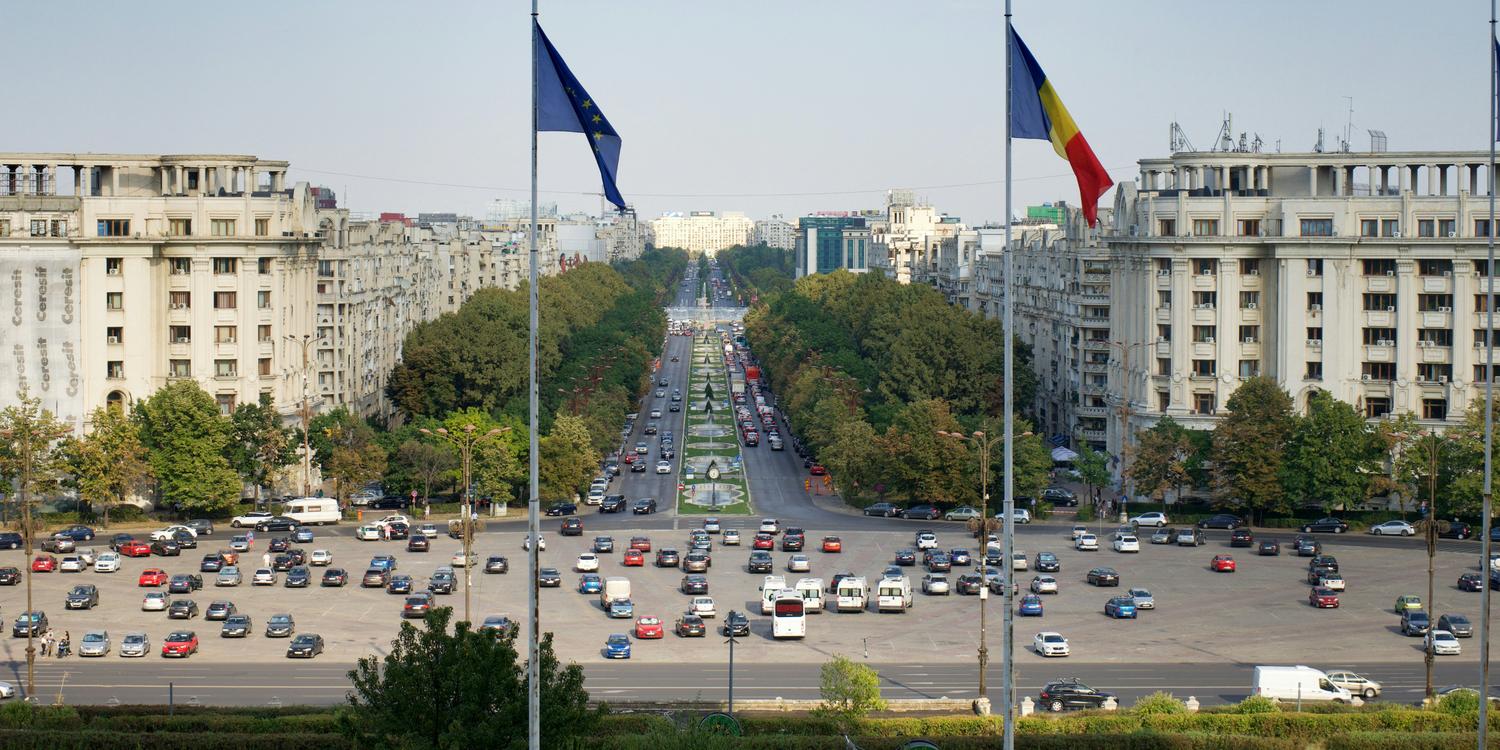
(179, 227)
(1250, 266)
(1481, 227)
(1250, 334)
(325, 268)
(1166, 227)
(226, 368)
(114, 300)
(1479, 373)
(1479, 300)
(1380, 337)
(1163, 400)
(1317, 227)
(4, 227)
(1163, 332)
(1205, 266)
(180, 334)
(1435, 267)
(263, 300)
(1205, 368)
(1249, 368)
(1431, 372)
(264, 367)
(1163, 266)
(226, 334)
(263, 333)
(114, 228)
(226, 265)
(1314, 266)
(181, 266)
(1163, 366)
(112, 266)
(1206, 300)
(1435, 336)
(263, 266)
(179, 300)
(180, 368)
(1204, 334)
(262, 227)
(1205, 227)
(1380, 266)
(226, 403)
(1163, 299)
(1447, 228)
(114, 370)
(59, 227)
(1390, 228)
(1369, 228)
(224, 300)
(1315, 333)
(1435, 302)
(1314, 370)
(114, 335)
(1314, 301)
(221, 227)
(1380, 301)
(323, 289)
(1249, 300)
(1479, 334)
(1377, 406)
(1426, 228)
(1379, 371)
(1203, 403)
(1482, 267)
(1249, 227)
(1434, 408)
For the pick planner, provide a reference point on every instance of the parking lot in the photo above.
(1258, 614)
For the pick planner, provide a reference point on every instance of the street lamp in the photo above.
(1431, 442)
(305, 340)
(465, 439)
(24, 440)
(985, 443)
(1124, 350)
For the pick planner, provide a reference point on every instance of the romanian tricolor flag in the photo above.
(1036, 111)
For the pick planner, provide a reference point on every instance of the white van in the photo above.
(615, 587)
(313, 510)
(811, 590)
(893, 595)
(852, 593)
(1296, 683)
(769, 588)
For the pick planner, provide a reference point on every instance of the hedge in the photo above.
(1142, 741)
(47, 739)
(1413, 741)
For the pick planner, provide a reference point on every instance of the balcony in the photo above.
(1380, 318)
(1380, 283)
(1093, 434)
(1205, 281)
(1163, 348)
(1440, 318)
(1163, 281)
(1380, 353)
(1432, 353)
(1094, 277)
(1438, 284)
(1205, 315)
(1204, 350)
(1250, 349)
(1314, 316)
(1250, 314)
(1096, 345)
(1091, 411)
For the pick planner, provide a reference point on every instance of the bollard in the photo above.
(1192, 704)
(1028, 706)
(1356, 701)
(982, 706)
(1110, 704)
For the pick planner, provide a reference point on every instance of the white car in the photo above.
(1443, 643)
(935, 584)
(1127, 544)
(1143, 598)
(587, 563)
(1050, 644)
(1019, 561)
(1154, 518)
(263, 577)
(711, 525)
(1394, 528)
(170, 532)
(368, 533)
(155, 601)
(730, 537)
(95, 643)
(541, 542)
(135, 644)
(1021, 515)
(1079, 530)
(394, 518)
(428, 530)
(87, 555)
(926, 540)
(250, 519)
(71, 564)
(703, 606)
(459, 561)
(240, 544)
(798, 564)
(769, 526)
(1086, 541)
(663, 467)
(229, 576)
(1044, 585)
(108, 562)
(320, 557)
(596, 496)
(1332, 582)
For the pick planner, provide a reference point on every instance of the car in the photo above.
(832, 545)
(1043, 585)
(180, 643)
(637, 467)
(1326, 525)
(617, 646)
(1191, 537)
(336, 577)
(1126, 544)
(1030, 606)
(279, 544)
(1046, 562)
(400, 584)
(182, 609)
(416, 605)
(730, 537)
(280, 626)
(612, 504)
(152, 577)
(83, 596)
(1241, 537)
(697, 561)
(250, 519)
(1321, 597)
(792, 542)
(442, 581)
(648, 628)
(590, 583)
(960, 557)
(634, 558)
(1086, 542)
(817, 470)
(763, 541)
(906, 556)
(884, 510)
(59, 544)
(1455, 530)
(375, 578)
(1443, 643)
(1121, 607)
(235, 626)
(968, 584)
(276, 523)
(925, 539)
(134, 644)
(106, 562)
(735, 624)
(644, 506)
(369, 533)
(690, 626)
(936, 584)
(703, 606)
(549, 578)
(498, 625)
(1142, 598)
(667, 558)
(1019, 515)
(1471, 582)
(938, 562)
(459, 559)
(1050, 644)
(1407, 602)
(541, 542)
(1221, 521)
(1222, 564)
(228, 576)
(922, 513)
(1103, 577)
(962, 513)
(1415, 622)
(185, 583)
(1154, 518)
(43, 564)
(297, 578)
(587, 561)
(663, 467)
(561, 509)
(798, 564)
(305, 646)
(1268, 547)
(694, 584)
(219, 610)
(620, 609)
(571, 527)
(1164, 535)
(1458, 625)
(1059, 496)
(496, 564)
(1394, 527)
(1070, 694)
(76, 533)
(1362, 686)
(302, 535)
(1307, 546)
(418, 543)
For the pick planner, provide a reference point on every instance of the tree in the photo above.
(850, 690)
(1161, 459)
(1331, 455)
(429, 463)
(921, 463)
(30, 461)
(1093, 471)
(110, 462)
(852, 458)
(354, 458)
(181, 427)
(460, 690)
(496, 464)
(1032, 460)
(1249, 447)
(1461, 465)
(568, 458)
(258, 445)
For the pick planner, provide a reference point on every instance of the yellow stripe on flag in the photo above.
(1063, 127)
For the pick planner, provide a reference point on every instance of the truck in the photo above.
(893, 594)
(852, 593)
(811, 590)
(1299, 683)
(752, 373)
(615, 587)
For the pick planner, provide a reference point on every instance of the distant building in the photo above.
(509, 209)
(776, 232)
(828, 243)
(703, 232)
(912, 239)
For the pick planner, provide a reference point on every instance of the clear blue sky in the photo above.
(761, 99)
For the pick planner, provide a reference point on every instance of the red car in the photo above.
(135, 549)
(642, 543)
(183, 643)
(818, 470)
(1222, 564)
(1321, 597)
(153, 577)
(630, 458)
(634, 558)
(648, 627)
(763, 541)
(832, 544)
(44, 564)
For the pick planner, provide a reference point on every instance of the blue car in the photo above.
(1120, 607)
(622, 609)
(589, 583)
(383, 562)
(302, 535)
(617, 647)
(1031, 606)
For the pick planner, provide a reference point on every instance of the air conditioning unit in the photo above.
(1208, 340)
(1312, 271)
(1392, 308)
(1385, 342)
(1315, 307)
(1442, 378)
(1251, 306)
(1163, 272)
(1315, 342)
(1451, 235)
(1390, 273)
(1365, 376)
(1396, 233)
(1249, 340)
(1206, 272)
(114, 339)
(1423, 343)
(178, 306)
(181, 340)
(1447, 273)
(1445, 309)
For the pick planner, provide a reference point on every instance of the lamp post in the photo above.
(465, 438)
(30, 433)
(305, 340)
(728, 631)
(985, 443)
(1129, 485)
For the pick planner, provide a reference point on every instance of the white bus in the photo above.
(790, 618)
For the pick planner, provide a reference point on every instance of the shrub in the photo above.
(1459, 703)
(1043, 511)
(849, 689)
(1158, 703)
(1085, 512)
(1255, 704)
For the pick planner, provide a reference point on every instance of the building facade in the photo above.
(830, 243)
(776, 232)
(703, 232)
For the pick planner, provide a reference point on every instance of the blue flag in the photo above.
(563, 105)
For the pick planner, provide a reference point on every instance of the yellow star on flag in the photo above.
(598, 134)
(596, 118)
(587, 103)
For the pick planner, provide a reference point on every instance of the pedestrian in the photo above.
(66, 645)
(265, 560)
(46, 642)
(427, 510)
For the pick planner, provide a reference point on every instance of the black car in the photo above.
(1495, 533)
(1062, 695)
(549, 578)
(1104, 577)
(166, 548)
(211, 563)
(203, 526)
(398, 530)
(922, 513)
(638, 466)
(335, 577)
(184, 583)
(886, 510)
(298, 555)
(938, 562)
(735, 624)
(644, 506)
(235, 626)
(1221, 521)
(389, 503)
(612, 504)
(276, 523)
(83, 596)
(10, 575)
(185, 540)
(441, 582)
(1046, 562)
(76, 533)
(417, 543)
(760, 562)
(496, 564)
(279, 544)
(1317, 573)
(1471, 582)
(1307, 546)
(305, 646)
(400, 584)
(11, 540)
(571, 527)
(1326, 526)
(1269, 547)
(1059, 496)
(792, 542)
(182, 609)
(694, 584)
(969, 584)
(1241, 537)
(1456, 530)
(32, 623)
(906, 556)
(1328, 561)
(562, 509)
(690, 626)
(297, 578)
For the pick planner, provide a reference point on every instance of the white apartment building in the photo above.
(913, 239)
(776, 232)
(703, 232)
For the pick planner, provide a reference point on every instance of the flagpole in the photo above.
(1489, 413)
(533, 526)
(1008, 546)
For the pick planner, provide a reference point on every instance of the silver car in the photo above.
(95, 643)
(1143, 599)
(135, 644)
(156, 601)
(935, 583)
(1043, 585)
(229, 576)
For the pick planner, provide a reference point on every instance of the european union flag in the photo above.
(563, 105)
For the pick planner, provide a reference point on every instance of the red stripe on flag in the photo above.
(1093, 179)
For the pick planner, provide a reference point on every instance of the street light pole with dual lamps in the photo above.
(985, 443)
(465, 438)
